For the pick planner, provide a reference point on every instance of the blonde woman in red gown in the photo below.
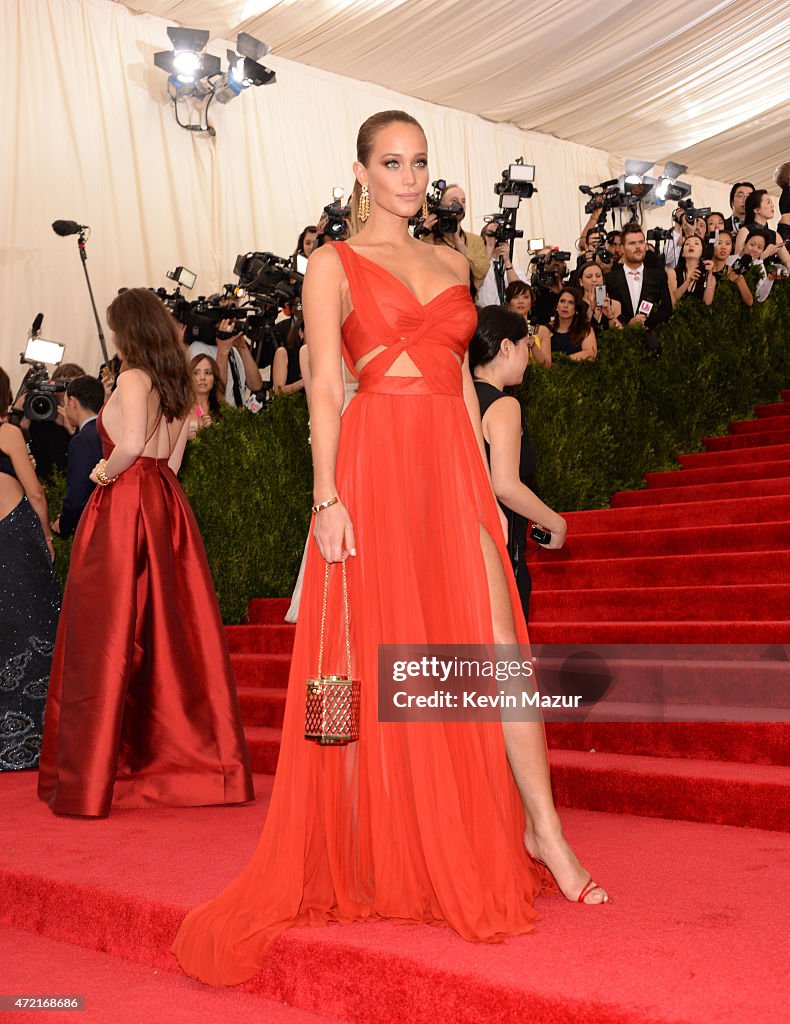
(421, 822)
(142, 707)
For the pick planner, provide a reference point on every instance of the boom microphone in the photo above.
(35, 330)
(67, 227)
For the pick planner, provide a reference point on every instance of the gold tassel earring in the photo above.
(364, 204)
(425, 208)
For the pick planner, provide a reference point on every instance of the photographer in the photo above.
(235, 362)
(49, 439)
(471, 245)
(739, 193)
(759, 207)
(614, 246)
(84, 399)
(208, 394)
(632, 283)
(488, 294)
(682, 228)
(715, 222)
(549, 270)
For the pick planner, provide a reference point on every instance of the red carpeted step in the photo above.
(732, 568)
(659, 632)
(733, 441)
(744, 742)
(759, 426)
(146, 868)
(717, 792)
(649, 543)
(770, 509)
(264, 708)
(261, 670)
(772, 409)
(268, 611)
(264, 744)
(770, 602)
(703, 492)
(753, 470)
(118, 991)
(254, 639)
(737, 456)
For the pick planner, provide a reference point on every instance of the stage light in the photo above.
(193, 73)
(244, 70)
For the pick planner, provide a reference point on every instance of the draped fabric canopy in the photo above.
(703, 83)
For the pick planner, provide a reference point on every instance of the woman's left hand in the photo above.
(99, 465)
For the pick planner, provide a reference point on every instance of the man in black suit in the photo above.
(84, 399)
(739, 193)
(632, 283)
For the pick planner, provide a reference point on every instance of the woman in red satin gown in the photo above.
(420, 822)
(142, 706)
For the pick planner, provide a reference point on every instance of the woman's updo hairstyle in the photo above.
(494, 324)
(753, 203)
(366, 139)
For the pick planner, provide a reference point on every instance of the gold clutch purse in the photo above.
(332, 709)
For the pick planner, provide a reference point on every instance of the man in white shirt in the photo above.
(237, 367)
(488, 293)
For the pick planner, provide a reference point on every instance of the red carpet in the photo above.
(666, 814)
(697, 933)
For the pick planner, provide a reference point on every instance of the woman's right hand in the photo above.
(558, 532)
(334, 533)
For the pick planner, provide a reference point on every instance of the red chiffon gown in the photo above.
(415, 822)
(142, 706)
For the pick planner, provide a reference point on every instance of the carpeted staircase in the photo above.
(662, 812)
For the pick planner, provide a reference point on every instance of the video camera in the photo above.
(40, 392)
(547, 267)
(690, 212)
(336, 224)
(447, 215)
(659, 234)
(607, 196)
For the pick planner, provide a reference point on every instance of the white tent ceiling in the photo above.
(702, 82)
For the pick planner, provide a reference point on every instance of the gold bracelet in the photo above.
(324, 504)
(101, 477)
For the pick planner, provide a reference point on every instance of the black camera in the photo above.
(447, 215)
(506, 230)
(518, 179)
(659, 234)
(336, 226)
(742, 264)
(41, 403)
(690, 212)
(547, 267)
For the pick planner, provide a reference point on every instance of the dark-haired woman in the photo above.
(418, 821)
(690, 275)
(29, 597)
(306, 241)
(571, 333)
(498, 356)
(142, 707)
(209, 395)
(601, 317)
(759, 210)
(519, 298)
(286, 369)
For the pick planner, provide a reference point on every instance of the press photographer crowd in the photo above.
(247, 342)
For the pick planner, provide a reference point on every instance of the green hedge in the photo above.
(597, 428)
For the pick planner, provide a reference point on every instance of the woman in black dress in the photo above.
(286, 371)
(29, 598)
(499, 354)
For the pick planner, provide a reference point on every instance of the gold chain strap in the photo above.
(323, 619)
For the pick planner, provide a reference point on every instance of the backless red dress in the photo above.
(142, 706)
(415, 822)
